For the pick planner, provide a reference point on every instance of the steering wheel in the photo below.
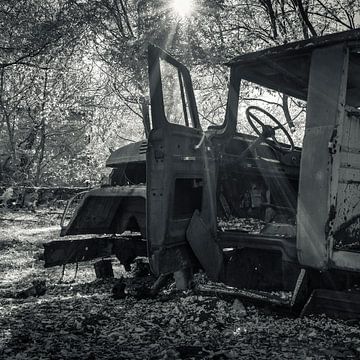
(268, 131)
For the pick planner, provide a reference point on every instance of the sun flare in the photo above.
(182, 8)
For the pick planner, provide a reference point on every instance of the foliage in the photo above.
(73, 78)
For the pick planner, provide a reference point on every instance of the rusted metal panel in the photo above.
(286, 68)
(171, 200)
(180, 175)
(99, 207)
(60, 252)
(326, 100)
(237, 240)
(103, 269)
(345, 229)
(298, 47)
(205, 247)
(346, 260)
(338, 304)
(247, 296)
(135, 152)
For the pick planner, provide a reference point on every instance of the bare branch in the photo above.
(304, 16)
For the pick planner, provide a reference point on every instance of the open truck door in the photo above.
(329, 197)
(181, 215)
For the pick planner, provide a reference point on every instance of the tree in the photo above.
(73, 73)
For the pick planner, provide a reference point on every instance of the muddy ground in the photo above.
(80, 320)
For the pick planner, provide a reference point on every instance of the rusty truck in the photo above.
(184, 196)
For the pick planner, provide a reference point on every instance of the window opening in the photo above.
(175, 98)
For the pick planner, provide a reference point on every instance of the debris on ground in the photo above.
(239, 308)
(84, 320)
(118, 289)
(140, 268)
(38, 288)
(248, 225)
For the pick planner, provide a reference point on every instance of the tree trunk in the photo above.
(6, 116)
(270, 10)
(305, 18)
(42, 133)
(42, 151)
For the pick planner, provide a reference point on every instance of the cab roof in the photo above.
(286, 68)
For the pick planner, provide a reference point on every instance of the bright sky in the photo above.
(182, 8)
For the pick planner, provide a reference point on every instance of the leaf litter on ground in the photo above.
(81, 319)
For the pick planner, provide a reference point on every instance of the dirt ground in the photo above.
(80, 320)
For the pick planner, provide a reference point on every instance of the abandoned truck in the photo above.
(184, 196)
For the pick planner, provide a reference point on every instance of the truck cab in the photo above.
(307, 198)
(250, 210)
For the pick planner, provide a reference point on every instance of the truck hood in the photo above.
(135, 152)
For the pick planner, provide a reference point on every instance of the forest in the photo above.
(74, 88)
(73, 73)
